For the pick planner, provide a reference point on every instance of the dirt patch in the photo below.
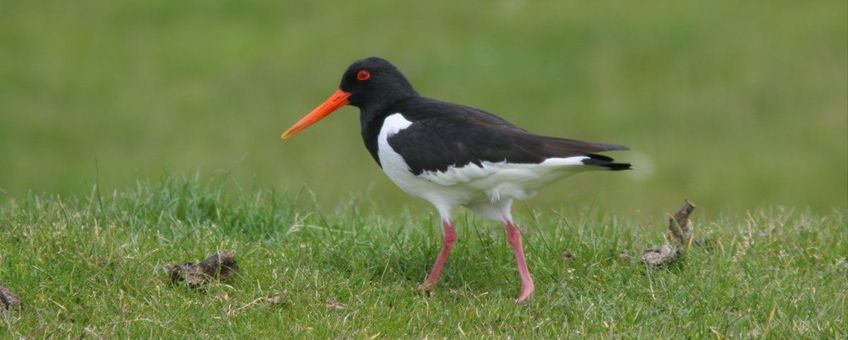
(680, 233)
(221, 266)
(8, 300)
(660, 257)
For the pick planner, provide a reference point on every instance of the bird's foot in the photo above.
(427, 286)
(526, 293)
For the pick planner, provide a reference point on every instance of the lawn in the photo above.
(93, 266)
(741, 107)
(734, 105)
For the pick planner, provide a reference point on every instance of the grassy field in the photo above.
(741, 107)
(735, 105)
(92, 266)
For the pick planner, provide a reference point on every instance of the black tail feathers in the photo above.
(606, 162)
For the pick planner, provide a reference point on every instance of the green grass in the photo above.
(740, 106)
(92, 266)
(732, 104)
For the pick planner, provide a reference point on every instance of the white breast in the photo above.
(391, 161)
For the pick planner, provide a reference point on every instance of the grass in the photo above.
(738, 106)
(735, 105)
(92, 267)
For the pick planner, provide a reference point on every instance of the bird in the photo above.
(452, 155)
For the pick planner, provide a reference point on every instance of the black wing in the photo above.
(445, 134)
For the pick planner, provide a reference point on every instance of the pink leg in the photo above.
(513, 236)
(449, 238)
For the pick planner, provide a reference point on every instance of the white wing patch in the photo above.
(503, 180)
(473, 172)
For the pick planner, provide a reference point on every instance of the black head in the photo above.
(370, 84)
(374, 83)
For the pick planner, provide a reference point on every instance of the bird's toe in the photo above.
(426, 286)
(526, 293)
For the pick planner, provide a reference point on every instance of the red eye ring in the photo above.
(363, 75)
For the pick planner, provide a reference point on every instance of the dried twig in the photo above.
(332, 304)
(679, 226)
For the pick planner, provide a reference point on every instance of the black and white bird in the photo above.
(452, 155)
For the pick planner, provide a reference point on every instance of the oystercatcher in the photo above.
(452, 155)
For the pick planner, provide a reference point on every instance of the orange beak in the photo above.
(336, 100)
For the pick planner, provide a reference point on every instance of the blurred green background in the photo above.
(732, 104)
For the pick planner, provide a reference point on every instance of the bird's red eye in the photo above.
(363, 75)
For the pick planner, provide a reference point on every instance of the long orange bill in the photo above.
(336, 100)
